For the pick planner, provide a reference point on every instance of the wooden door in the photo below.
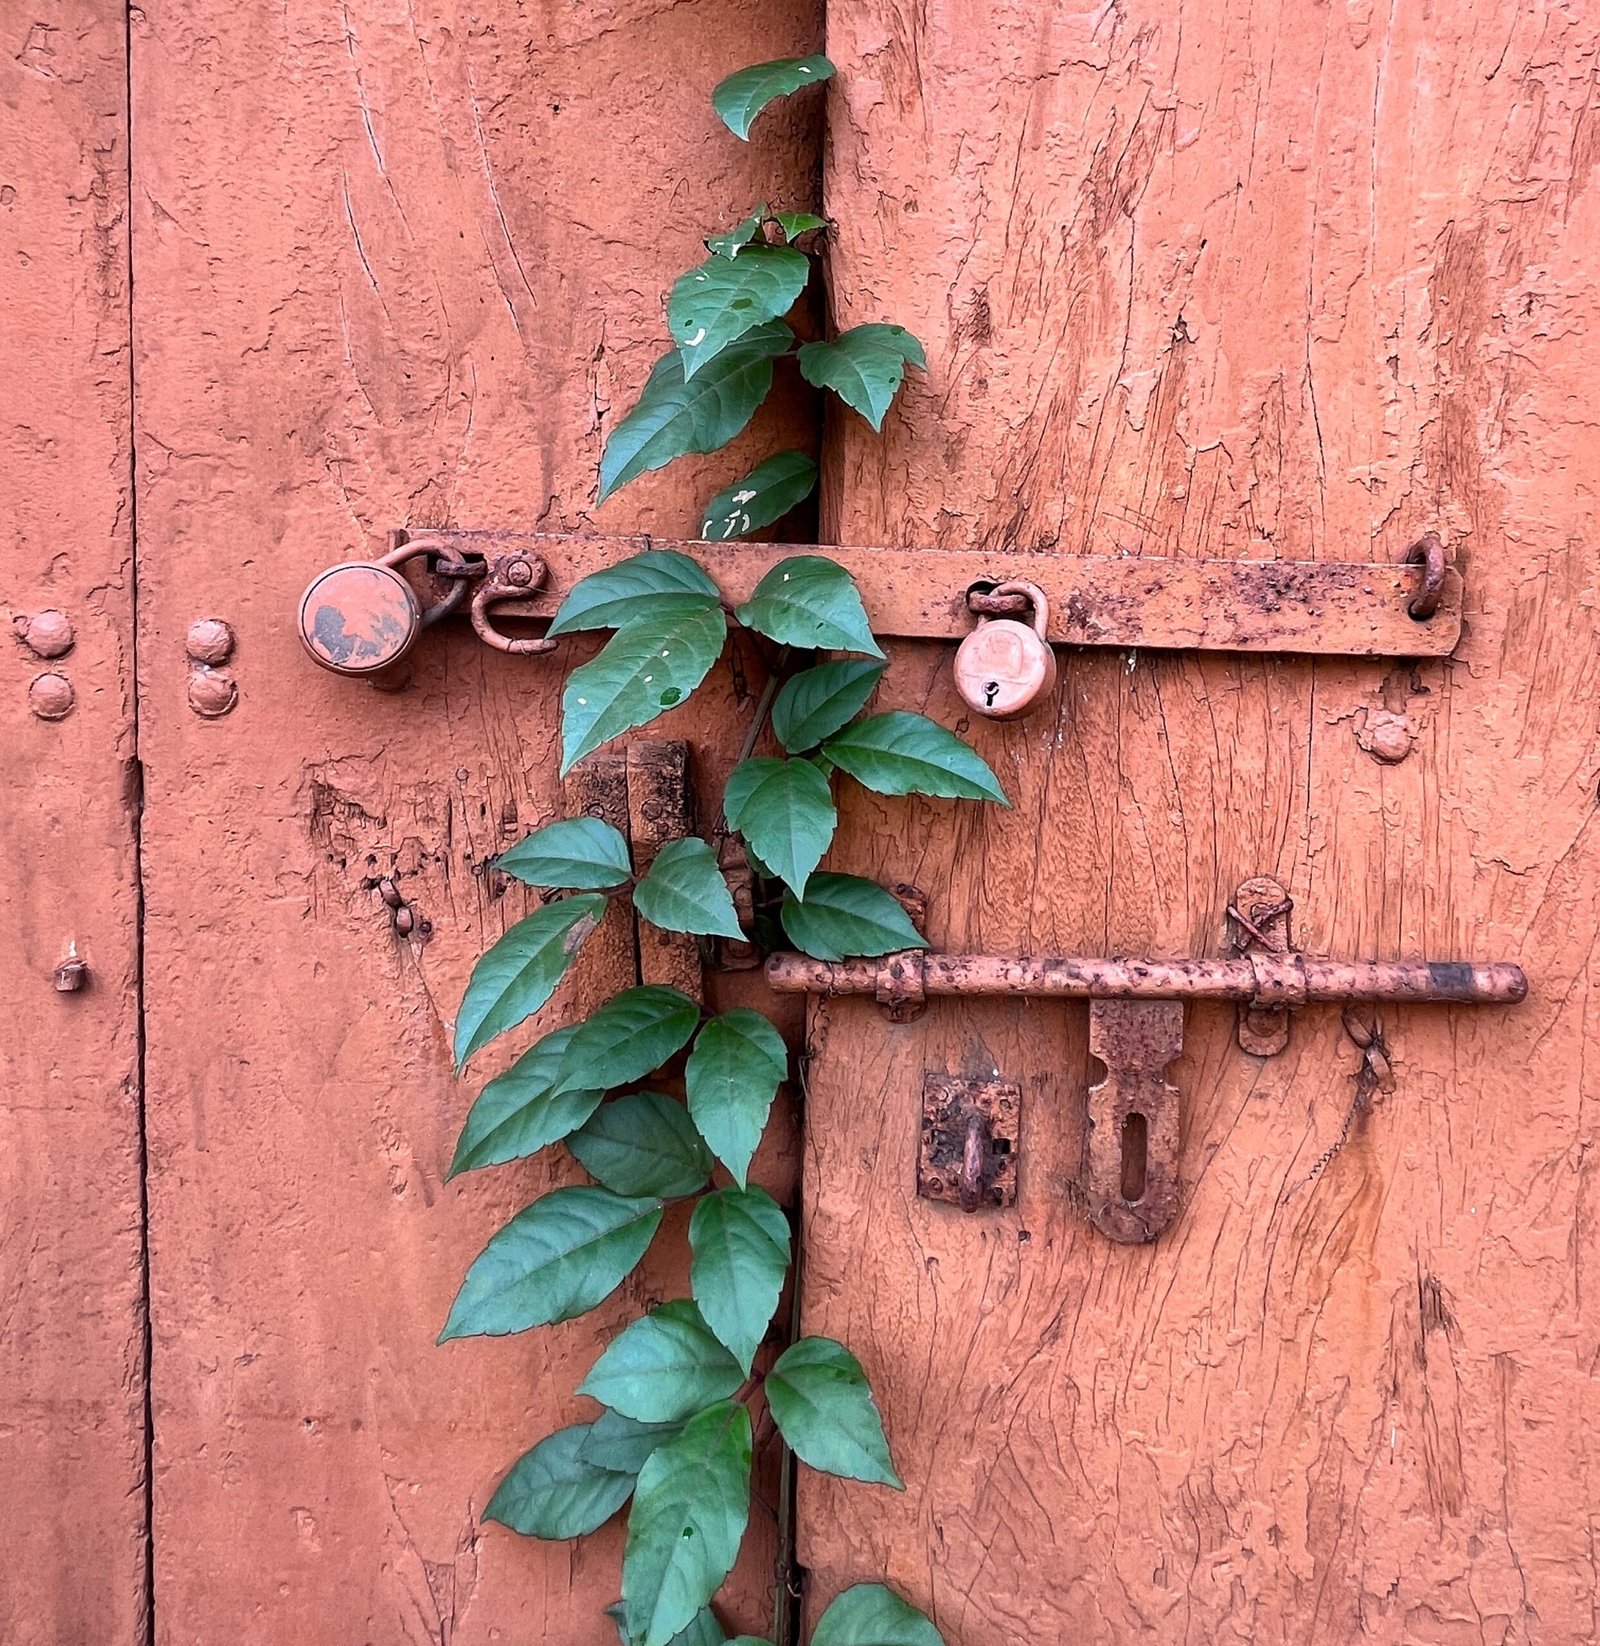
(398, 266)
(1260, 281)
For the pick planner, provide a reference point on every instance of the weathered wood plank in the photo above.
(72, 1385)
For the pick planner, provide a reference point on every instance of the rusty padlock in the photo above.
(1005, 666)
(362, 616)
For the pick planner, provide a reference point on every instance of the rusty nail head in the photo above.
(404, 920)
(519, 573)
(209, 640)
(51, 696)
(390, 893)
(71, 975)
(46, 634)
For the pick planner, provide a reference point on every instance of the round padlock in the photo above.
(1005, 666)
(359, 616)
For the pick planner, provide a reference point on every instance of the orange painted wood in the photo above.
(1189, 276)
(1327, 608)
(397, 266)
(72, 1431)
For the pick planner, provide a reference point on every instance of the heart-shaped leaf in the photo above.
(817, 702)
(726, 296)
(622, 1444)
(902, 753)
(810, 602)
(555, 1259)
(664, 1368)
(844, 915)
(871, 1615)
(732, 1076)
(630, 1036)
(820, 1401)
(675, 414)
(520, 1111)
(766, 494)
(784, 809)
(644, 585)
(742, 96)
(684, 892)
(519, 974)
(864, 367)
(644, 1144)
(576, 854)
(689, 1513)
(554, 1492)
(645, 669)
(740, 1240)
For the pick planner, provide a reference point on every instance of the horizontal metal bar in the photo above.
(1327, 608)
(1261, 979)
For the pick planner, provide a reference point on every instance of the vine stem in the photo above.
(775, 679)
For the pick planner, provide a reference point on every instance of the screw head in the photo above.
(47, 633)
(212, 693)
(71, 975)
(519, 573)
(209, 640)
(51, 696)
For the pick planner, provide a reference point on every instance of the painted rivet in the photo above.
(209, 640)
(51, 696)
(71, 975)
(1386, 736)
(212, 693)
(46, 634)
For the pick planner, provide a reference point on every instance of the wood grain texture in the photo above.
(72, 1516)
(399, 265)
(1190, 276)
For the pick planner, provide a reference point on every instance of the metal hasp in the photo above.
(1130, 1169)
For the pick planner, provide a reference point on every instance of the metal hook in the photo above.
(512, 577)
(1427, 552)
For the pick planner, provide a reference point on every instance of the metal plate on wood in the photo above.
(1130, 1156)
(1326, 608)
(968, 1153)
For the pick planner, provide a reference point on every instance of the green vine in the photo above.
(676, 1388)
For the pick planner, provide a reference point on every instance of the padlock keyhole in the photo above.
(1135, 1155)
(991, 690)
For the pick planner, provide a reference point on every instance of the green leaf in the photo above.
(519, 974)
(766, 494)
(810, 602)
(820, 1401)
(622, 1444)
(688, 1519)
(684, 892)
(578, 854)
(664, 1368)
(555, 1259)
(630, 1036)
(674, 415)
(864, 367)
(520, 1111)
(637, 587)
(728, 295)
(732, 1076)
(784, 809)
(645, 1144)
(845, 915)
(902, 753)
(742, 96)
(729, 244)
(817, 702)
(740, 1240)
(553, 1492)
(704, 1631)
(645, 669)
(796, 223)
(871, 1615)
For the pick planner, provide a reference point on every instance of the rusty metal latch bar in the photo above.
(1130, 1166)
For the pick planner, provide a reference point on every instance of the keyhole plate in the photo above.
(1130, 1165)
(948, 1102)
